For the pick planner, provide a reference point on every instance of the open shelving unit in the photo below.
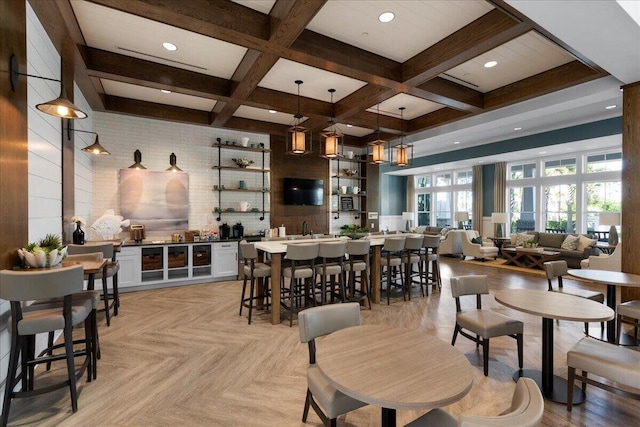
(349, 202)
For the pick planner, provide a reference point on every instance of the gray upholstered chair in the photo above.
(430, 260)
(329, 269)
(21, 286)
(253, 270)
(111, 270)
(300, 272)
(358, 262)
(413, 256)
(485, 324)
(629, 313)
(557, 269)
(315, 322)
(526, 410)
(391, 258)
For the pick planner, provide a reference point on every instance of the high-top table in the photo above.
(559, 306)
(611, 279)
(394, 368)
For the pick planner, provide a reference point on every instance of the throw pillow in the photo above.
(570, 242)
(444, 231)
(522, 238)
(477, 240)
(584, 242)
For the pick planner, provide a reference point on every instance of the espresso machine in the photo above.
(225, 231)
(238, 231)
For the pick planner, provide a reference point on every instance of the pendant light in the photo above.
(172, 162)
(404, 152)
(297, 135)
(332, 148)
(94, 148)
(377, 147)
(137, 158)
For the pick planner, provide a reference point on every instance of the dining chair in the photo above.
(111, 270)
(300, 272)
(19, 287)
(358, 262)
(526, 410)
(557, 269)
(253, 270)
(628, 313)
(327, 402)
(485, 324)
(391, 258)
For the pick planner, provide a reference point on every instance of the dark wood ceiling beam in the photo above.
(562, 77)
(365, 97)
(257, 126)
(435, 119)
(135, 107)
(485, 33)
(453, 91)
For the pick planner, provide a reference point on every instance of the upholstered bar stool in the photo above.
(110, 270)
(391, 259)
(253, 270)
(358, 262)
(21, 286)
(411, 257)
(300, 272)
(629, 313)
(430, 258)
(329, 269)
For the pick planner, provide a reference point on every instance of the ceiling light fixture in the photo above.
(272, 111)
(349, 125)
(137, 158)
(296, 134)
(379, 145)
(456, 142)
(172, 162)
(59, 107)
(94, 148)
(610, 107)
(404, 152)
(165, 91)
(333, 137)
(490, 64)
(517, 128)
(386, 17)
(169, 46)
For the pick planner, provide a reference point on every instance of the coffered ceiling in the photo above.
(236, 60)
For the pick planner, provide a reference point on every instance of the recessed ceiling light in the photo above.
(456, 142)
(364, 35)
(272, 111)
(610, 107)
(481, 161)
(349, 125)
(517, 128)
(386, 17)
(490, 64)
(542, 152)
(165, 91)
(169, 46)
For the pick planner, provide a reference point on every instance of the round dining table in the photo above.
(611, 279)
(550, 306)
(394, 368)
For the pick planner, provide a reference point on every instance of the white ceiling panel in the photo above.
(131, 35)
(284, 73)
(263, 115)
(415, 107)
(518, 59)
(263, 6)
(417, 24)
(143, 93)
(351, 130)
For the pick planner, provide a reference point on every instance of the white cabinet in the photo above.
(130, 268)
(225, 259)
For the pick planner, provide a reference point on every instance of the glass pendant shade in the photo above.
(297, 135)
(404, 152)
(401, 156)
(331, 145)
(377, 152)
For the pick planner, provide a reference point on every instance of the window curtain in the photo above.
(500, 188)
(477, 199)
(411, 194)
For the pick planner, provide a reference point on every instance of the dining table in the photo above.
(394, 368)
(550, 306)
(612, 279)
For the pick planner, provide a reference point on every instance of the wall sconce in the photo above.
(172, 162)
(296, 134)
(94, 148)
(333, 147)
(378, 146)
(59, 107)
(137, 158)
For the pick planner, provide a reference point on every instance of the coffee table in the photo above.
(394, 368)
(528, 257)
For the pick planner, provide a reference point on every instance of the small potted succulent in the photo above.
(353, 231)
(47, 252)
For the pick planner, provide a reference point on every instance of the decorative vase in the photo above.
(78, 236)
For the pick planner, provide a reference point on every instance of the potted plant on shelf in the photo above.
(353, 231)
(48, 252)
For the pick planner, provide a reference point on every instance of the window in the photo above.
(602, 197)
(522, 171)
(465, 177)
(453, 194)
(443, 180)
(423, 182)
(424, 209)
(605, 162)
(522, 208)
(560, 167)
(560, 208)
(443, 209)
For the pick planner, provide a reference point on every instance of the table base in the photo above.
(595, 331)
(388, 417)
(558, 392)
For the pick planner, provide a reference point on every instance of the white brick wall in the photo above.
(157, 139)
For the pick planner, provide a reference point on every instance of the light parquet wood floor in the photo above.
(183, 356)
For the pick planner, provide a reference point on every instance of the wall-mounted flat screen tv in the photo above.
(299, 191)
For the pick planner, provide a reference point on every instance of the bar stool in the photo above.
(391, 258)
(430, 258)
(412, 256)
(301, 258)
(331, 266)
(110, 270)
(358, 261)
(18, 287)
(252, 270)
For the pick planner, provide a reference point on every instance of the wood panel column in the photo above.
(630, 184)
(14, 205)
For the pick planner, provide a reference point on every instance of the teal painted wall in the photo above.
(393, 194)
(488, 175)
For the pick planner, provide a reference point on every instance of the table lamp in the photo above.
(407, 216)
(499, 219)
(462, 217)
(612, 219)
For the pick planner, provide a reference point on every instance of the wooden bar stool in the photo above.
(253, 270)
(358, 262)
(330, 268)
(391, 258)
(301, 258)
(430, 259)
(413, 256)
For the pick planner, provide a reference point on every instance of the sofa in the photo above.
(553, 241)
(425, 229)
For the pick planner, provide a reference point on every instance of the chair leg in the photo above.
(242, 298)
(88, 349)
(455, 334)
(586, 328)
(251, 294)
(388, 285)
(618, 328)
(71, 370)
(95, 343)
(14, 354)
(105, 293)
(520, 341)
(50, 347)
(485, 355)
(584, 383)
(116, 294)
(571, 377)
(307, 404)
